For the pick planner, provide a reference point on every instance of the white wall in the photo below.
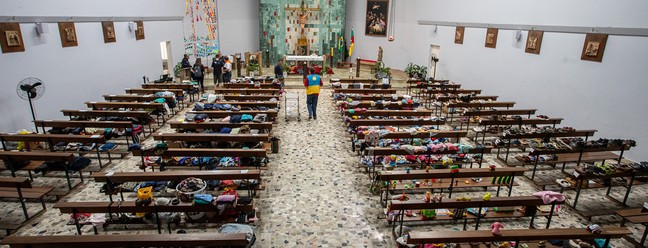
(607, 96)
(74, 75)
(238, 26)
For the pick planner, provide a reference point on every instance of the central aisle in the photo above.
(315, 194)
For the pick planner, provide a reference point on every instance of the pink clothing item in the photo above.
(550, 196)
(497, 228)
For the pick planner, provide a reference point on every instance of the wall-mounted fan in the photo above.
(31, 89)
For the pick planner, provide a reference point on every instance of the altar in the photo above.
(300, 28)
(301, 60)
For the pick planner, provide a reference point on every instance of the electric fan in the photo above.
(31, 89)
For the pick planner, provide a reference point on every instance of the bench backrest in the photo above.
(106, 113)
(83, 124)
(15, 182)
(176, 176)
(37, 156)
(217, 125)
(53, 138)
(202, 152)
(118, 105)
(129, 240)
(510, 201)
(207, 137)
(445, 173)
(394, 122)
(420, 135)
(390, 113)
(514, 235)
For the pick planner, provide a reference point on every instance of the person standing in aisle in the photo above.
(312, 82)
(227, 70)
(218, 64)
(198, 73)
(279, 69)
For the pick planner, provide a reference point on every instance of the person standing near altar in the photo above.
(312, 82)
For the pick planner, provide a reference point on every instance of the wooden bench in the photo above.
(176, 176)
(247, 98)
(395, 112)
(212, 137)
(576, 133)
(53, 139)
(129, 240)
(369, 105)
(511, 122)
(365, 91)
(137, 98)
(13, 157)
(181, 86)
(575, 156)
(519, 235)
(205, 152)
(274, 92)
(272, 114)
(635, 216)
(157, 108)
(267, 104)
(130, 207)
(358, 97)
(217, 125)
(355, 80)
(583, 182)
(447, 98)
(512, 201)
(500, 112)
(251, 86)
(84, 124)
(22, 189)
(139, 115)
(409, 136)
(177, 92)
(456, 179)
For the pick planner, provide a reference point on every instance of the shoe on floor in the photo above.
(310, 117)
(563, 183)
(315, 117)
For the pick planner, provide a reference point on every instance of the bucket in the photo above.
(188, 196)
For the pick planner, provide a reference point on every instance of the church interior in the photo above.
(323, 123)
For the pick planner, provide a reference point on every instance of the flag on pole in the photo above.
(341, 44)
(352, 43)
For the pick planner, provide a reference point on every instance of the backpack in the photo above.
(197, 71)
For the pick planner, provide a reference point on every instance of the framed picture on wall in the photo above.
(139, 31)
(534, 41)
(594, 47)
(491, 37)
(459, 35)
(376, 19)
(108, 32)
(11, 38)
(68, 34)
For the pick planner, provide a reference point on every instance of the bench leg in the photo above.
(76, 221)
(22, 203)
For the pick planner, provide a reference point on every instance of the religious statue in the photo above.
(303, 17)
(380, 53)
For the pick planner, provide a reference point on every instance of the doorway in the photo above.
(167, 58)
(434, 53)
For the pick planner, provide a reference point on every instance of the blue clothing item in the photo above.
(246, 118)
(106, 147)
(311, 104)
(186, 63)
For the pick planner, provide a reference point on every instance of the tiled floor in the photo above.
(317, 195)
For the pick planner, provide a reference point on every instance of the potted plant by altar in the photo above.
(416, 71)
(382, 72)
(253, 68)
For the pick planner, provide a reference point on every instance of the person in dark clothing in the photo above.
(218, 63)
(185, 61)
(279, 69)
(198, 73)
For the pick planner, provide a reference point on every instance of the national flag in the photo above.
(352, 43)
(341, 44)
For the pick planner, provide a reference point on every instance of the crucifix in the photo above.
(303, 14)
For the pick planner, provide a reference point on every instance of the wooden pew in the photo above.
(84, 124)
(447, 98)
(251, 86)
(390, 122)
(216, 125)
(480, 105)
(547, 136)
(511, 201)
(204, 152)
(247, 98)
(516, 235)
(272, 114)
(146, 106)
(456, 179)
(365, 91)
(176, 176)
(267, 104)
(635, 216)
(210, 137)
(357, 97)
(140, 115)
(22, 189)
(500, 112)
(421, 135)
(355, 80)
(395, 112)
(368, 105)
(177, 92)
(583, 182)
(181, 86)
(11, 157)
(511, 122)
(52, 139)
(129, 240)
(131, 207)
(248, 91)
(136, 98)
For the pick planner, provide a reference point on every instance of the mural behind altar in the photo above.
(301, 27)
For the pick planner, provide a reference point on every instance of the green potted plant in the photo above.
(410, 70)
(176, 69)
(254, 69)
(421, 72)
